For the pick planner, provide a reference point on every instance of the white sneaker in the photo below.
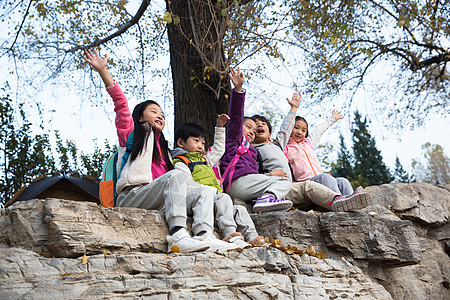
(270, 203)
(353, 202)
(239, 241)
(185, 243)
(214, 243)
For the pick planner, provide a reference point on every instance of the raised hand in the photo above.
(294, 102)
(337, 114)
(222, 120)
(95, 60)
(237, 78)
(99, 64)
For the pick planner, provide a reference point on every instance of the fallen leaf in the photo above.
(84, 260)
(310, 250)
(175, 249)
(65, 274)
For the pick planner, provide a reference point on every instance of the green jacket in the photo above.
(201, 172)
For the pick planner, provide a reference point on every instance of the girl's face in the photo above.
(154, 116)
(249, 129)
(262, 132)
(299, 131)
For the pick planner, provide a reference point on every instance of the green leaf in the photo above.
(223, 12)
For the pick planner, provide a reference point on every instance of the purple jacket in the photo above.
(247, 163)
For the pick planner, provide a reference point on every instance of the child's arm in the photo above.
(99, 64)
(124, 121)
(287, 126)
(314, 136)
(236, 110)
(218, 149)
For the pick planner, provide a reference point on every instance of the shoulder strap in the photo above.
(189, 162)
(126, 155)
(243, 148)
(260, 162)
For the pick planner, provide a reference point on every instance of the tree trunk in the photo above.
(199, 71)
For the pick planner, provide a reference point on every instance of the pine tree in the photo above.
(369, 166)
(343, 166)
(400, 175)
(23, 156)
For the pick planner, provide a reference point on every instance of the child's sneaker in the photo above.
(239, 241)
(356, 201)
(214, 243)
(185, 243)
(270, 203)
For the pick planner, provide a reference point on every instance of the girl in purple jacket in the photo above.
(239, 165)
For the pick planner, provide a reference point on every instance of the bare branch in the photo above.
(20, 28)
(124, 28)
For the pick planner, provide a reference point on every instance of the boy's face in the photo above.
(262, 132)
(154, 116)
(249, 129)
(193, 144)
(299, 131)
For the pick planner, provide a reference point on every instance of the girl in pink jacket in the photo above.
(303, 160)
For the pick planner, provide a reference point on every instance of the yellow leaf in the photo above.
(65, 274)
(310, 250)
(175, 249)
(107, 253)
(226, 96)
(84, 260)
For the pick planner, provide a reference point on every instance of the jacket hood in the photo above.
(178, 151)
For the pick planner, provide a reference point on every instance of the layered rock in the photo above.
(52, 249)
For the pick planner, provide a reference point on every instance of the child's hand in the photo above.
(278, 172)
(95, 60)
(337, 115)
(222, 120)
(237, 78)
(294, 102)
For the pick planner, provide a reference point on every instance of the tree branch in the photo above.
(20, 28)
(124, 28)
(437, 59)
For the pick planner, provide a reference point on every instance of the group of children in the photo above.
(252, 167)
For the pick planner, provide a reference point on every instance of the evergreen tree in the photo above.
(400, 175)
(24, 157)
(369, 166)
(343, 167)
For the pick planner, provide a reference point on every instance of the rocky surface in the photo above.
(395, 249)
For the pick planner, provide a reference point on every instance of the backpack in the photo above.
(108, 194)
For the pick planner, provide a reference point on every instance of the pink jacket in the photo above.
(301, 156)
(143, 169)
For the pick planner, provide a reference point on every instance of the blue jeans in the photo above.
(339, 185)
